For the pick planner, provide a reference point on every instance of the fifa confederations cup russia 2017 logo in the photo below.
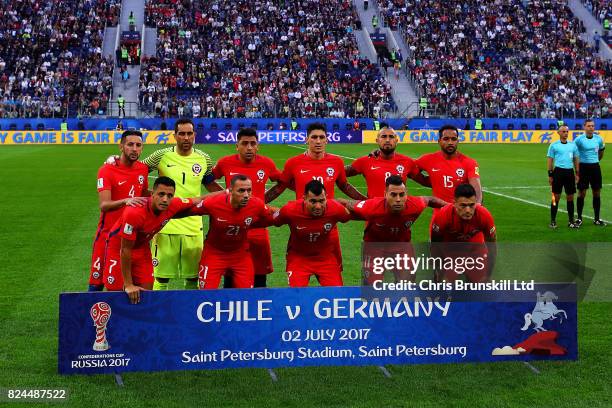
(100, 314)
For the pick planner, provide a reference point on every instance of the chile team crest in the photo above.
(196, 168)
(400, 169)
(261, 174)
(543, 341)
(460, 172)
(330, 171)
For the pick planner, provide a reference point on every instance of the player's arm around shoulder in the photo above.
(152, 161)
(355, 168)
(433, 202)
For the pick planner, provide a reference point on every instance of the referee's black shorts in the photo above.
(563, 179)
(590, 173)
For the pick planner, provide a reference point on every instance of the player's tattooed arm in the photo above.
(273, 192)
(434, 202)
(475, 182)
(132, 290)
(348, 204)
(348, 189)
(213, 187)
(108, 204)
(350, 207)
(209, 181)
(350, 171)
(421, 179)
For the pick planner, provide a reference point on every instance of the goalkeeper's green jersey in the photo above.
(189, 173)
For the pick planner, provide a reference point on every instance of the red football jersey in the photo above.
(376, 170)
(123, 182)
(310, 236)
(384, 226)
(301, 169)
(140, 224)
(229, 226)
(259, 171)
(451, 228)
(445, 174)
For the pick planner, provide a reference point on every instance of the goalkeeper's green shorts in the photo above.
(176, 256)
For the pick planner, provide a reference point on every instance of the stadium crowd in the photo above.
(259, 58)
(505, 58)
(601, 9)
(51, 58)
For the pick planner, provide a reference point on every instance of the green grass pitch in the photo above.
(49, 215)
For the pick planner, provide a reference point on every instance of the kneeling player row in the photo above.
(313, 247)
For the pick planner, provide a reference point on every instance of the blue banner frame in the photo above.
(290, 327)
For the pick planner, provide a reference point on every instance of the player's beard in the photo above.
(387, 150)
(186, 146)
(450, 149)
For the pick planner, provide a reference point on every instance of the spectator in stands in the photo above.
(51, 61)
(501, 58)
(220, 60)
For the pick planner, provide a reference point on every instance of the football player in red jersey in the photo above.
(379, 165)
(312, 243)
(259, 169)
(226, 247)
(129, 265)
(448, 168)
(119, 186)
(316, 164)
(465, 221)
(389, 219)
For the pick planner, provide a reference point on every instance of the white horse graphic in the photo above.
(544, 309)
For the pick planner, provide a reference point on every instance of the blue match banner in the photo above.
(277, 136)
(287, 327)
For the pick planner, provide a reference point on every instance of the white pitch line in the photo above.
(527, 187)
(522, 200)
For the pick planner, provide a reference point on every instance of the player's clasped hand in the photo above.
(133, 293)
(135, 201)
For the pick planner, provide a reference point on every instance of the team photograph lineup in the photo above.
(339, 203)
(145, 238)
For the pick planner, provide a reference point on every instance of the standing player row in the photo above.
(446, 169)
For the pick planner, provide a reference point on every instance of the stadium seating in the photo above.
(501, 58)
(601, 9)
(255, 58)
(51, 61)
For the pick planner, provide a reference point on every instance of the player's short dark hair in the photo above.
(183, 121)
(465, 190)
(132, 132)
(447, 127)
(588, 120)
(394, 180)
(164, 181)
(315, 187)
(315, 126)
(244, 132)
(238, 177)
